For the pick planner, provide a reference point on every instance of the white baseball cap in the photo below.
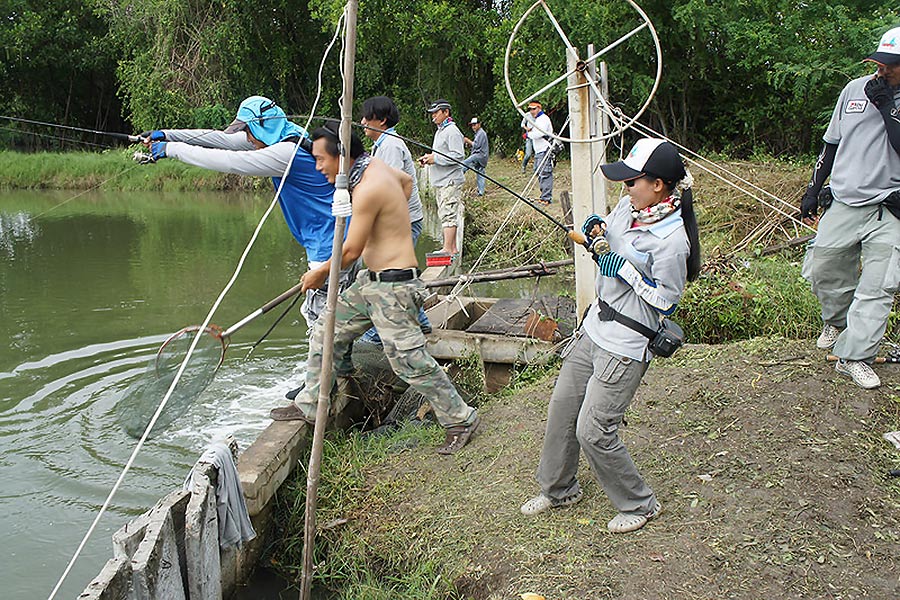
(888, 52)
(473, 121)
(649, 156)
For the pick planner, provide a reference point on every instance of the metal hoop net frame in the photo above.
(621, 121)
(142, 397)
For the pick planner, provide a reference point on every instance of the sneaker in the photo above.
(627, 522)
(541, 503)
(862, 373)
(291, 412)
(828, 337)
(457, 437)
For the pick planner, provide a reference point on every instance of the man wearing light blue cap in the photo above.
(261, 141)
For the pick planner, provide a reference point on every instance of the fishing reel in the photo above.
(143, 158)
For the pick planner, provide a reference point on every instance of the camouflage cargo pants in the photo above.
(392, 308)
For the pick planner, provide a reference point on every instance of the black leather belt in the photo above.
(394, 275)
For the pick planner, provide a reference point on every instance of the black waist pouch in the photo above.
(668, 338)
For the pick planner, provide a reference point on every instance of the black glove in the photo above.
(880, 92)
(809, 206)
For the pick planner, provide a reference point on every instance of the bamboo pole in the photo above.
(315, 457)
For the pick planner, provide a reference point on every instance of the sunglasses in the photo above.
(630, 183)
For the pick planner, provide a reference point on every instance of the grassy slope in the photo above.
(770, 466)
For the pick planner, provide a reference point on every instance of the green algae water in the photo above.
(90, 286)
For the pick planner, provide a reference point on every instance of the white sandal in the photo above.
(625, 522)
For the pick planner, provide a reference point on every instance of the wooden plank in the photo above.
(448, 344)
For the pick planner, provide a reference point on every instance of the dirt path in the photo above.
(770, 466)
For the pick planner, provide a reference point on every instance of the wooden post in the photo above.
(582, 192)
(315, 457)
(599, 126)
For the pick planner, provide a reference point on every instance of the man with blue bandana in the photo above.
(261, 141)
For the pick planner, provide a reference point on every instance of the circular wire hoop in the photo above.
(212, 331)
(622, 124)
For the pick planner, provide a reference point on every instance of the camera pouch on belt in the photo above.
(668, 338)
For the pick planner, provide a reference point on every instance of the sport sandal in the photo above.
(457, 437)
(828, 337)
(541, 503)
(626, 522)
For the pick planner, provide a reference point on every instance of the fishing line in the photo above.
(418, 144)
(119, 136)
(645, 128)
(181, 369)
(55, 137)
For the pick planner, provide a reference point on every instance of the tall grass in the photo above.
(112, 170)
(344, 567)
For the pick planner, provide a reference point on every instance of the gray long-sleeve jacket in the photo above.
(394, 152)
(449, 141)
(480, 147)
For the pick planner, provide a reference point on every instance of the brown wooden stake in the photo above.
(324, 400)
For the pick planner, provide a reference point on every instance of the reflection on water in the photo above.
(88, 292)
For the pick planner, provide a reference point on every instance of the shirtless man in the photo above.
(387, 295)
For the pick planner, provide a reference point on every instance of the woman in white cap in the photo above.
(653, 250)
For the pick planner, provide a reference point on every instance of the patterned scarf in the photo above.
(446, 122)
(655, 213)
(359, 167)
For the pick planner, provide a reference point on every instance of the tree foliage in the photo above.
(739, 76)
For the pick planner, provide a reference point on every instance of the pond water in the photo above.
(90, 286)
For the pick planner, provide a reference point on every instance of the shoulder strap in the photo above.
(608, 313)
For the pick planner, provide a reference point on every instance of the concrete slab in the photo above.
(156, 566)
(113, 582)
(265, 465)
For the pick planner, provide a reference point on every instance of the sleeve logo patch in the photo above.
(856, 106)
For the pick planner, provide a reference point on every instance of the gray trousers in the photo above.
(592, 393)
(857, 300)
(544, 170)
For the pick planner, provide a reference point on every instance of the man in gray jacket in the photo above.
(446, 174)
(853, 264)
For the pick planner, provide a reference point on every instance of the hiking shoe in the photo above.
(627, 522)
(291, 412)
(828, 337)
(541, 503)
(457, 437)
(862, 373)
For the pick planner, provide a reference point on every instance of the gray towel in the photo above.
(234, 520)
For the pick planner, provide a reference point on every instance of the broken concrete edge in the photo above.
(269, 460)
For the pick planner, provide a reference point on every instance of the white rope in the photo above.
(790, 216)
(465, 283)
(193, 346)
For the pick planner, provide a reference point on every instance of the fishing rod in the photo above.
(571, 232)
(133, 139)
